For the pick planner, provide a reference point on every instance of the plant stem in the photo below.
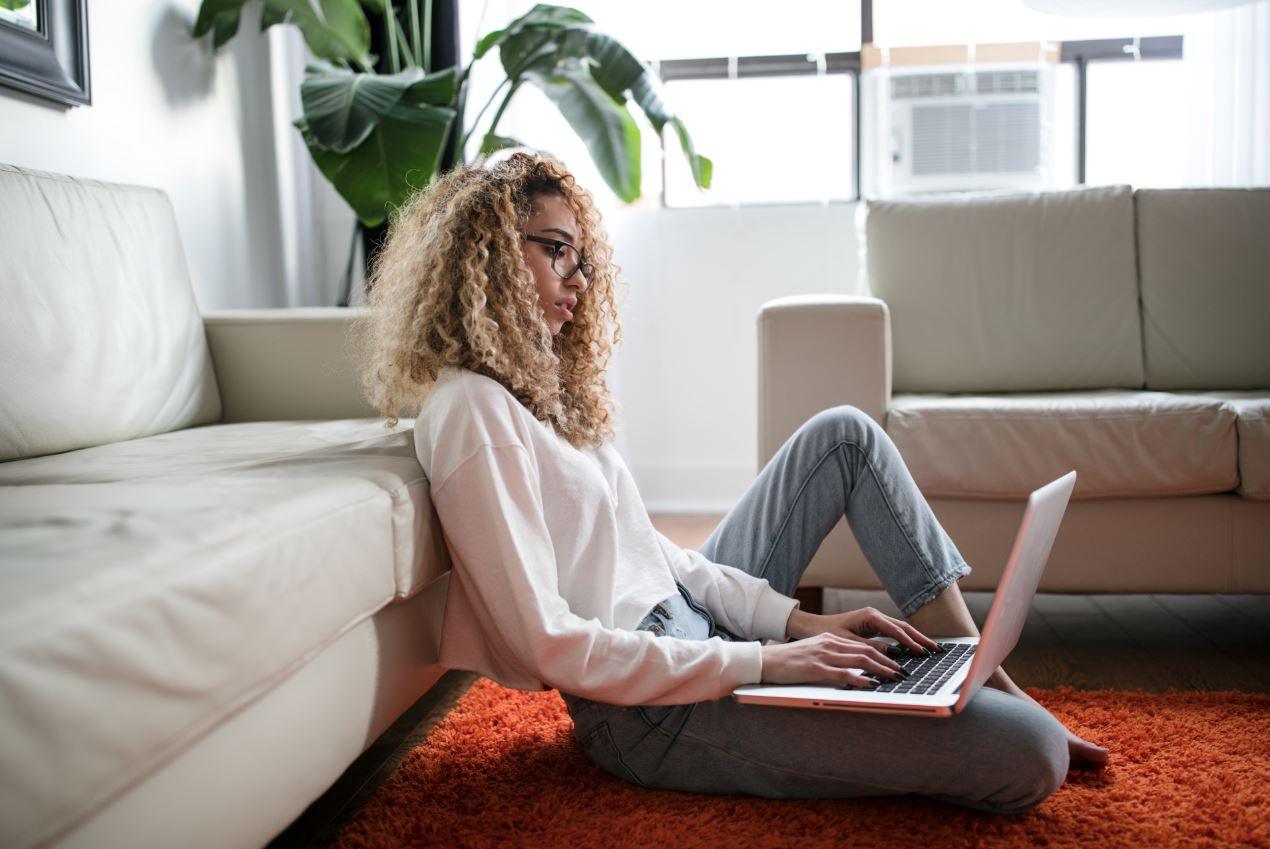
(479, 115)
(427, 36)
(405, 45)
(390, 22)
(499, 114)
(515, 78)
(462, 78)
(413, 7)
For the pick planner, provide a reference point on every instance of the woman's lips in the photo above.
(565, 311)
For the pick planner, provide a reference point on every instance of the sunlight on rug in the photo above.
(503, 769)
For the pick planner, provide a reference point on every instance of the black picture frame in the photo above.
(51, 62)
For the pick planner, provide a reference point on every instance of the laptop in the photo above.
(943, 684)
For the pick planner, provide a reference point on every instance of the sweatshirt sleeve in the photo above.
(491, 511)
(744, 604)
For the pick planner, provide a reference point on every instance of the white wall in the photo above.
(168, 113)
(687, 366)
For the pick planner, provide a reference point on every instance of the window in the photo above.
(1106, 109)
(777, 137)
(1136, 123)
(828, 101)
(758, 92)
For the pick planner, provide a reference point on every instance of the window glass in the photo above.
(721, 115)
(674, 29)
(772, 139)
(907, 23)
(1136, 130)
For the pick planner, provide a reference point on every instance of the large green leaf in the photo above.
(702, 167)
(333, 29)
(492, 142)
(341, 107)
(644, 92)
(439, 89)
(338, 31)
(535, 49)
(221, 18)
(604, 125)
(14, 5)
(611, 65)
(541, 16)
(401, 154)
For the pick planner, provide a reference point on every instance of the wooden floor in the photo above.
(1125, 642)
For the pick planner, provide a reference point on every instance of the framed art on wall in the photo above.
(44, 49)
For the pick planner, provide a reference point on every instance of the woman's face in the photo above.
(552, 220)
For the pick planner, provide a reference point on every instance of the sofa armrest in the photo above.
(820, 351)
(279, 364)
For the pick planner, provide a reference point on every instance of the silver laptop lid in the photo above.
(1010, 606)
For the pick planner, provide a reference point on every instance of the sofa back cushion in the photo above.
(1008, 292)
(1204, 261)
(100, 335)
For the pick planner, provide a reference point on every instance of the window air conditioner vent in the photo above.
(926, 85)
(1007, 82)
(975, 138)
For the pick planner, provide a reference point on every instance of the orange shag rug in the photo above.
(502, 769)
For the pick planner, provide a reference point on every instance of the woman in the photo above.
(490, 301)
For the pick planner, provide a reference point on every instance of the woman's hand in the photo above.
(827, 659)
(826, 648)
(859, 625)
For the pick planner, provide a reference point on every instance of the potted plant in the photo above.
(378, 135)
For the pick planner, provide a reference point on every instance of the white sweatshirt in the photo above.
(555, 562)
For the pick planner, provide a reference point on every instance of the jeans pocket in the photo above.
(669, 720)
(602, 750)
(705, 614)
(655, 715)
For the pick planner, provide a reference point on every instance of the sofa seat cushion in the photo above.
(153, 587)
(1122, 443)
(1252, 407)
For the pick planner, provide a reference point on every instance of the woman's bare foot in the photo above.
(947, 615)
(1082, 752)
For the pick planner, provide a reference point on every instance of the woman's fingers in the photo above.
(907, 635)
(839, 676)
(865, 656)
(897, 631)
(917, 635)
(843, 677)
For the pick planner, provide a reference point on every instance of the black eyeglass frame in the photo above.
(558, 244)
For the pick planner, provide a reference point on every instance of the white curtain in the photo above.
(1229, 138)
(316, 223)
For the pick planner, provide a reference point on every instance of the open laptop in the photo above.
(943, 684)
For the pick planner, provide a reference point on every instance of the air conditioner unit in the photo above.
(956, 128)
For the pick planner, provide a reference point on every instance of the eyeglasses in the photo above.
(565, 258)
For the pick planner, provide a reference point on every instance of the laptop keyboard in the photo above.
(925, 674)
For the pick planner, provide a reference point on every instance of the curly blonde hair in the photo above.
(451, 286)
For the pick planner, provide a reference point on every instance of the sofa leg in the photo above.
(812, 598)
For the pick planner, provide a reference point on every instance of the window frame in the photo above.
(780, 65)
(1080, 53)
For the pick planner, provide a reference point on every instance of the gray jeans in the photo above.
(1001, 754)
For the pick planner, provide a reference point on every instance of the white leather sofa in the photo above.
(220, 577)
(1008, 338)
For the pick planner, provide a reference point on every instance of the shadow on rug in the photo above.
(503, 769)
